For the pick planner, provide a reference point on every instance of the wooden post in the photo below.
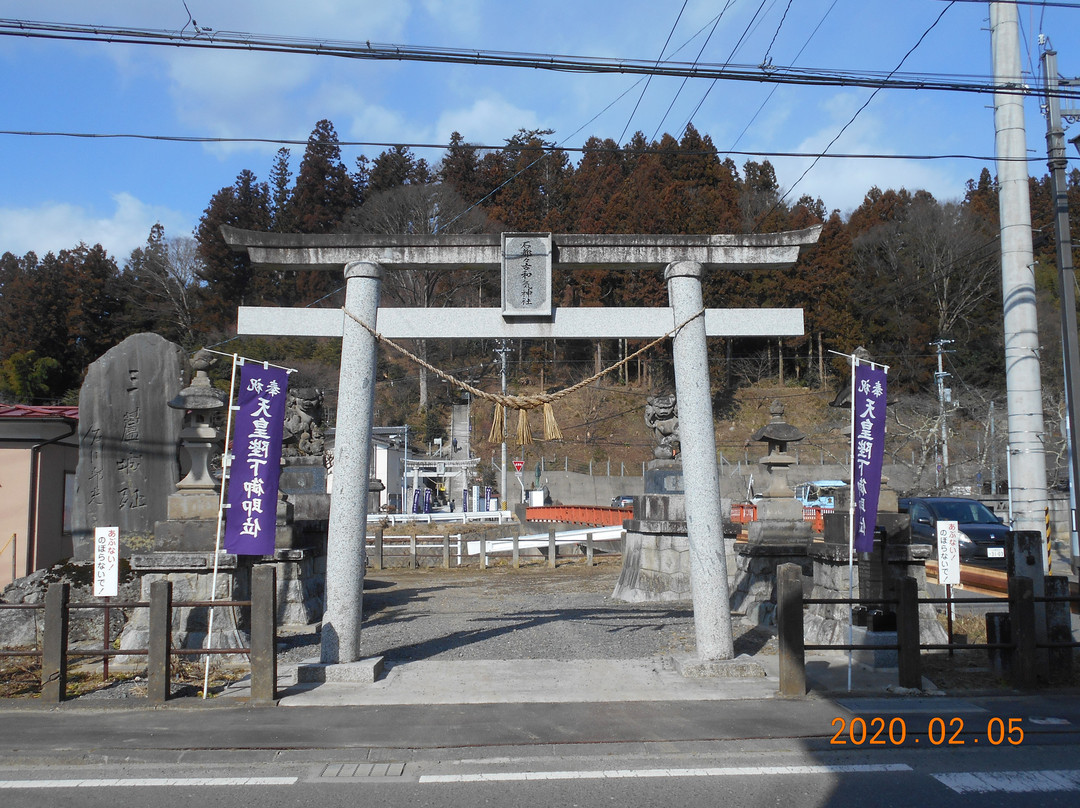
(263, 634)
(54, 642)
(1059, 624)
(1022, 620)
(907, 634)
(551, 547)
(105, 642)
(789, 627)
(157, 658)
(378, 561)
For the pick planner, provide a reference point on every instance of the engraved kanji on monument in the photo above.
(128, 442)
(526, 274)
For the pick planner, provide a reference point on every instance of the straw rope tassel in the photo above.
(524, 434)
(551, 426)
(498, 424)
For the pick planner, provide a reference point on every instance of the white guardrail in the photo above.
(413, 545)
(533, 540)
(500, 517)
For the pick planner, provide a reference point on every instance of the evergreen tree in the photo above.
(281, 193)
(323, 195)
(324, 189)
(227, 277)
(460, 168)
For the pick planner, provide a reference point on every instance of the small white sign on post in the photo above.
(106, 561)
(948, 542)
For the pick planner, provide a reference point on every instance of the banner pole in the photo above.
(226, 469)
(851, 529)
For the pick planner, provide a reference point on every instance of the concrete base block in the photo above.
(362, 671)
(742, 667)
(869, 656)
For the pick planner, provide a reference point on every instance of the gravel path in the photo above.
(502, 613)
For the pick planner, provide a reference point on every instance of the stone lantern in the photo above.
(777, 434)
(198, 494)
(779, 514)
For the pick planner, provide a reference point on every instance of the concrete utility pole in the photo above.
(1055, 157)
(941, 375)
(1027, 456)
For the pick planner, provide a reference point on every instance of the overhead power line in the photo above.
(770, 74)
(278, 141)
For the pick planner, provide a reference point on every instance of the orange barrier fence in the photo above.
(579, 514)
(743, 513)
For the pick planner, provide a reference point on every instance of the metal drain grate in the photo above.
(391, 769)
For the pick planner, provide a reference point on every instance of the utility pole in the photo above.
(1056, 161)
(941, 375)
(1027, 455)
(502, 351)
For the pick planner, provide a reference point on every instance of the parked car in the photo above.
(622, 501)
(982, 532)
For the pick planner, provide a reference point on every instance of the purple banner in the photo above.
(256, 462)
(869, 451)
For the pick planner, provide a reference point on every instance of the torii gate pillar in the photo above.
(352, 460)
(708, 562)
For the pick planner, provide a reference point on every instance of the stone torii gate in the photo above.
(526, 313)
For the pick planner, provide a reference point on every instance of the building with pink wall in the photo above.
(39, 453)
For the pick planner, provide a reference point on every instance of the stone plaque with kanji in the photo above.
(526, 274)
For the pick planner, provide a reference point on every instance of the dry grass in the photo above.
(20, 677)
(972, 669)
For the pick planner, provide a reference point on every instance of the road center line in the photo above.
(149, 781)
(612, 774)
(1010, 782)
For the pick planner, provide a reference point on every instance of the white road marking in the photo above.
(1012, 782)
(150, 781)
(613, 774)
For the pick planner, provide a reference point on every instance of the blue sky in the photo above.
(60, 191)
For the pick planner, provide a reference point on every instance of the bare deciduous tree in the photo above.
(421, 209)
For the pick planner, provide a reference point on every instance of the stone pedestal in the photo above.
(191, 575)
(301, 585)
(193, 523)
(753, 595)
(876, 575)
(656, 556)
(301, 577)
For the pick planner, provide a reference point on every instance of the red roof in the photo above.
(26, 411)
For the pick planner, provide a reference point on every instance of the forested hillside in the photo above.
(900, 272)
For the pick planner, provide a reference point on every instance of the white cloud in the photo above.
(489, 120)
(842, 184)
(57, 226)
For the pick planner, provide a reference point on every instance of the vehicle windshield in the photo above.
(968, 513)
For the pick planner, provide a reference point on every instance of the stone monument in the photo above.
(127, 442)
